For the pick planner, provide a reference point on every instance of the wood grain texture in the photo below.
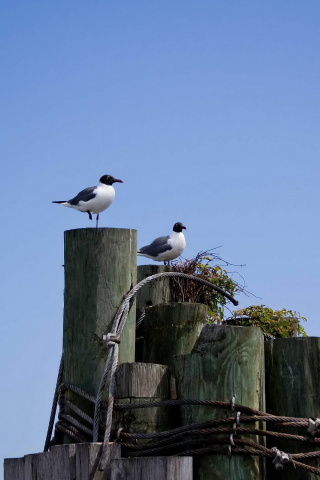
(143, 382)
(225, 361)
(151, 294)
(59, 464)
(63, 462)
(171, 329)
(293, 389)
(14, 469)
(152, 468)
(100, 268)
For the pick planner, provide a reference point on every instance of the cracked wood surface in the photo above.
(225, 361)
(293, 389)
(100, 268)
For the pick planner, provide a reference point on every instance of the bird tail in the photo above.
(60, 201)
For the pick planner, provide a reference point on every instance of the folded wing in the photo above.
(159, 245)
(84, 196)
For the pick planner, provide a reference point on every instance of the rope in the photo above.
(79, 391)
(168, 439)
(54, 405)
(74, 408)
(140, 319)
(112, 360)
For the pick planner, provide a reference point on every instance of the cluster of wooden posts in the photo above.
(175, 354)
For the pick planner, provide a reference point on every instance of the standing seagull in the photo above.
(166, 248)
(94, 199)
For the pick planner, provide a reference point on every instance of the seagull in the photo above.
(94, 199)
(166, 248)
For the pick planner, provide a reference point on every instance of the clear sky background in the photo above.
(210, 113)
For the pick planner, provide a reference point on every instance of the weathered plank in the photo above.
(151, 294)
(143, 382)
(155, 468)
(171, 329)
(14, 469)
(58, 464)
(225, 362)
(87, 461)
(63, 462)
(100, 268)
(293, 389)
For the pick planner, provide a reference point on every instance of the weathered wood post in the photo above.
(171, 329)
(155, 468)
(63, 462)
(151, 294)
(225, 362)
(100, 268)
(293, 390)
(139, 383)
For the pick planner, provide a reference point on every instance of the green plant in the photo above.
(207, 265)
(203, 266)
(278, 323)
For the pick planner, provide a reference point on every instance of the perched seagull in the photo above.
(166, 248)
(94, 199)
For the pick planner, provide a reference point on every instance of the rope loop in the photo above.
(280, 458)
(314, 426)
(111, 339)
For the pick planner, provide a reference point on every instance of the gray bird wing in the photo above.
(85, 195)
(159, 245)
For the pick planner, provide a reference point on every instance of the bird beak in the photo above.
(184, 227)
(117, 180)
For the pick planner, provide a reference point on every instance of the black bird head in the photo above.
(178, 227)
(109, 180)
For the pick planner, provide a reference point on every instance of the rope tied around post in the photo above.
(112, 360)
(314, 426)
(110, 339)
(280, 458)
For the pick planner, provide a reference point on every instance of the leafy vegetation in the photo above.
(204, 265)
(207, 265)
(278, 323)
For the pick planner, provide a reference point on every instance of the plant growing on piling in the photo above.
(207, 265)
(278, 323)
(204, 265)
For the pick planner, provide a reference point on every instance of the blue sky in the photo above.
(209, 112)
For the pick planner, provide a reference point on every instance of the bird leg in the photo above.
(97, 220)
(89, 213)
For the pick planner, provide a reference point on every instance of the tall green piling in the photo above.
(100, 268)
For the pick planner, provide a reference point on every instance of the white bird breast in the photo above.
(104, 197)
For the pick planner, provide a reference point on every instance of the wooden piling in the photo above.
(225, 362)
(63, 462)
(155, 468)
(293, 390)
(171, 329)
(143, 382)
(100, 268)
(151, 294)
